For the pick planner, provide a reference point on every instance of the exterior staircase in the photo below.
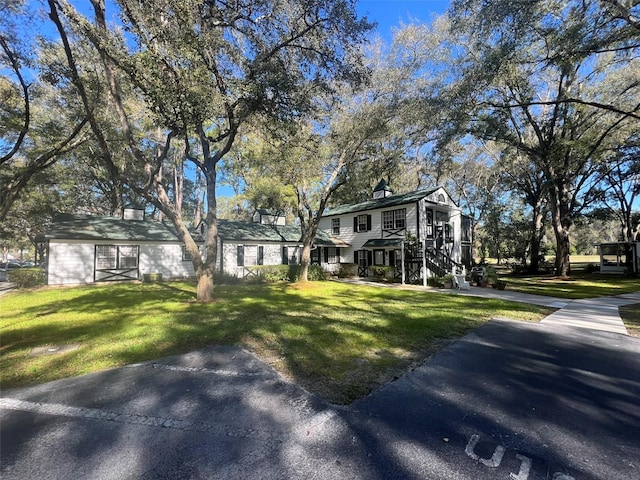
(440, 263)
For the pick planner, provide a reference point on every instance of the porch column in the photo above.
(402, 257)
(424, 263)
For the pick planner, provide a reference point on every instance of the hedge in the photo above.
(26, 277)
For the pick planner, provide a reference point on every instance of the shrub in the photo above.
(382, 271)
(492, 275)
(500, 284)
(316, 273)
(224, 278)
(26, 277)
(273, 273)
(592, 268)
(348, 270)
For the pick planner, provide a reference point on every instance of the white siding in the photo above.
(70, 262)
(358, 239)
(164, 258)
(230, 259)
(272, 255)
(73, 262)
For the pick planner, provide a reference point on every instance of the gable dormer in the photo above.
(133, 212)
(382, 190)
(266, 217)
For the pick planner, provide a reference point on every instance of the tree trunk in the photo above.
(205, 288)
(305, 260)
(536, 240)
(204, 275)
(560, 201)
(563, 264)
(561, 231)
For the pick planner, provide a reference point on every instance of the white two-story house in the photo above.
(425, 228)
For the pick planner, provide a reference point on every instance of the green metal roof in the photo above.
(93, 227)
(253, 231)
(392, 201)
(324, 239)
(230, 230)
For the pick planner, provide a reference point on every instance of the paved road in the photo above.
(509, 398)
(509, 401)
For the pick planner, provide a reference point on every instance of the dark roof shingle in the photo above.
(93, 227)
(392, 201)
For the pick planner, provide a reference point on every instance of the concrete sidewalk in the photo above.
(600, 313)
(595, 313)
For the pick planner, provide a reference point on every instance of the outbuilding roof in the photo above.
(391, 201)
(230, 230)
(94, 227)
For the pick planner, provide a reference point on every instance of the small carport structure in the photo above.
(620, 257)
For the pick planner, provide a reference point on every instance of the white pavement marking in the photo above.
(492, 462)
(227, 373)
(525, 468)
(499, 452)
(134, 419)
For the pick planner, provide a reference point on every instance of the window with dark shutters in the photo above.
(241, 255)
(362, 223)
(285, 255)
(260, 255)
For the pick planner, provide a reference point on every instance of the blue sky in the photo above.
(390, 13)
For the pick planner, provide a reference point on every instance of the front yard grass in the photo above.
(336, 340)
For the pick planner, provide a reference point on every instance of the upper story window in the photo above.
(335, 226)
(442, 217)
(394, 219)
(429, 224)
(466, 229)
(362, 223)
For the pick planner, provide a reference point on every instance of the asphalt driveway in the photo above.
(511, 400)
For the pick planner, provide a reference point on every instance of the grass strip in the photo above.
(579, 285)
(631, 317)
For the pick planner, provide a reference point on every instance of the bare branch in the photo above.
(15, 66)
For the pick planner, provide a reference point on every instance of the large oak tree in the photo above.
(557, 81)
(206, 69)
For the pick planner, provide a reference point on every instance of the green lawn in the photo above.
(580, 285)
(337, 340)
